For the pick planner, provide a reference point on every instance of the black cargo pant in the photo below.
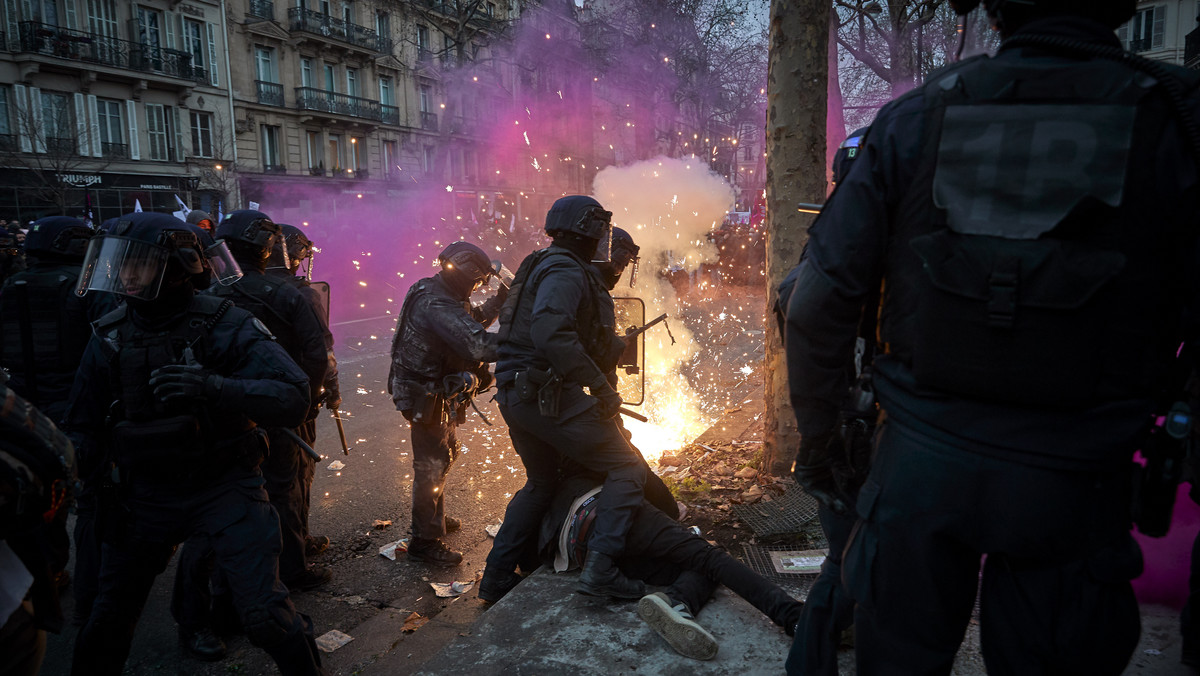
(828, 610)
(308, 471)
(284, 471)
(661, 551)
(435, 448)
(593, 442)
(233, 513)
(1056, 595)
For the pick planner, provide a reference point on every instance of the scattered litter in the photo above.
(669, 470)
(806, 562)
(670, 461)
(492, 530)
(413, 622)
(746, 473)
(753, 495)
(1153, 651)
(381, 523)
(354, 600)
(695, 529)
(389, 550)
(336, 465)
(332, 640)
(448, 590)
(721, 469)
(710, 449)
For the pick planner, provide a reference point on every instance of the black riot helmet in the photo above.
(624, 255)
(1010, 15)
(847, 153)
(251, 235)
(465, 268)
(580, 224)
(292, 251)
(142, 254)
(58, 237)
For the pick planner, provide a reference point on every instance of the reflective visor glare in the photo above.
(225, 269)
(124, 266)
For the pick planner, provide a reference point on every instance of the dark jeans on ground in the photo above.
(1056, 597)
(593, 442)
(233, 512)
(283, 470)
(828, 611)
(661, 551)
(435, 448)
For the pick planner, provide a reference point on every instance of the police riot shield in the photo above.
(322, 289)
(631, 368)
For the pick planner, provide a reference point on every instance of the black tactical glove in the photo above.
(187, 381)
(813, 468)
(333, 396)
(609, 401)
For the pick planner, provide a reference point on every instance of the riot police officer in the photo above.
(439, 362)
(1031, 217)
(291, 262)
(170, 391)
(556, 338)
(44, 326)
(251, 237)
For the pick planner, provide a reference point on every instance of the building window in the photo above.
(324, 5)
(1146, 30)
(157, 131)
(102, 17)
(335, 153)
(270, 148)
(149, 31)
(426, 93)
(383, 24)
(202, 141)
(352, 81)
(193, 42)
(8, 141)
(428, 160)
(58, 126)
(390, 167)
(491, 9)
(306, 75)
(385, 92)
(423, 51)
(264, 64)
(112, 129)
(329, 85)
(357, 152)
(315, 161)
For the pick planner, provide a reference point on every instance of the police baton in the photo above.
(631, 414)
(304, 445)
(341, 433)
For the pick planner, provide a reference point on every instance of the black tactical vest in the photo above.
(1042, 272)
(258, 294)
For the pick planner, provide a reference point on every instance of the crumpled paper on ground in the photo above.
(413, 622)
(337, 464)
(451, 589)
(389, 550)
(332, 640)
(492, 530)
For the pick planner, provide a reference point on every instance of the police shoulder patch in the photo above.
(262, 327)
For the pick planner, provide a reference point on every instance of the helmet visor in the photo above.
(124, 266)
(603, 252)
(225, 270)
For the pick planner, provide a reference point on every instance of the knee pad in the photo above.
(266, 626)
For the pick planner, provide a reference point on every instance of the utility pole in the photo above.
(797, 93)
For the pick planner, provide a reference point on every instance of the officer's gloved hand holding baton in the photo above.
(190, 381)
(610, 401)
(813, 468)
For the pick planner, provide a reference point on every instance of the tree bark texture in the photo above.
(797, 92)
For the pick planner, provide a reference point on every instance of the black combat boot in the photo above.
(601, 577)
(202, 644)
(432, 550)
(496, 583)
(314, 576)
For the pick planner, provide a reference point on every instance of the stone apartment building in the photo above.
(104, 103)
(1165, 30)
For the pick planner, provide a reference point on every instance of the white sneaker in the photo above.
(677, 627)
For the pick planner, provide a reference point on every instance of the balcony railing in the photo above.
(62, 146)
(300, 19)
(274, 169)
(429, 121)
(269, 93)
(424, 55)
(8, 141)
(316, 171)
(311, 98)
(389, 114)
(362, 174)
(107, 51)
(114, 151)
(1191, 48)
(263, 9)
(1139, 45)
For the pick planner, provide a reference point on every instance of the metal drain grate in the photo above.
(761, 559)
(793, 512)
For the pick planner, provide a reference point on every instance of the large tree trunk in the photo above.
(835, 126)
(796, 168)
